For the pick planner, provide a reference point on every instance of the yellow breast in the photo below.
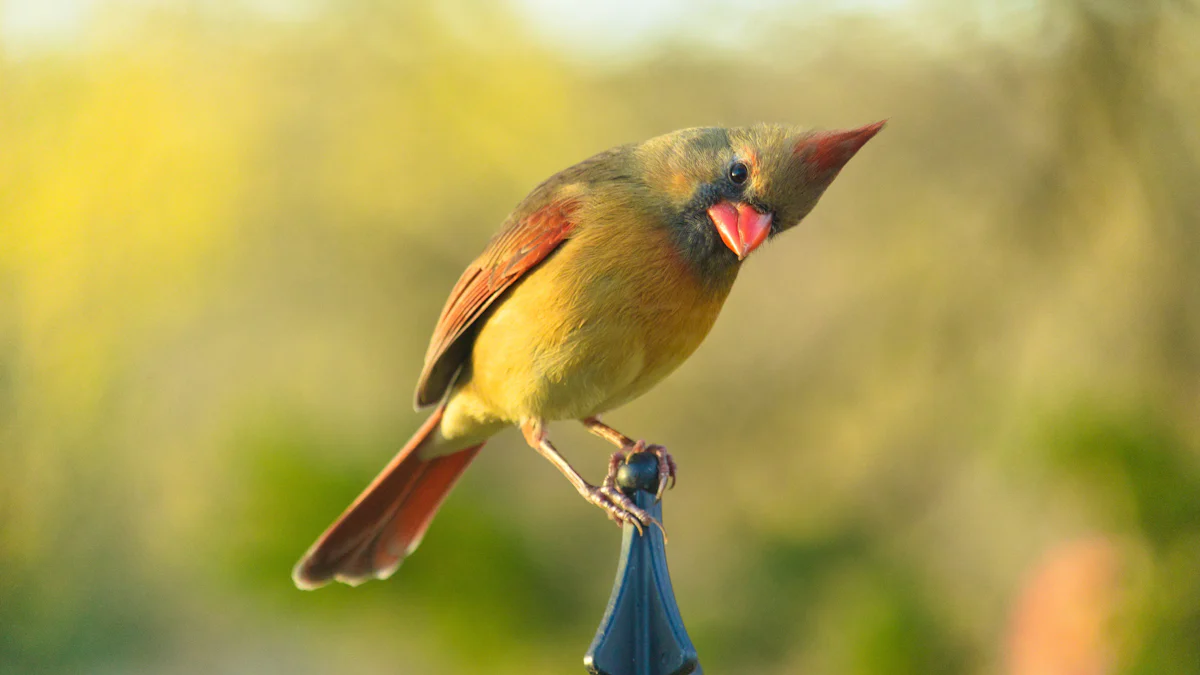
(598, 324)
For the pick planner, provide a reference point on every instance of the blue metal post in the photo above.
(641, 632)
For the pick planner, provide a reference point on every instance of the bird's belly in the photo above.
(524, 367)
(555, 348)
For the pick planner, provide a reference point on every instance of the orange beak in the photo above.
(742, 227)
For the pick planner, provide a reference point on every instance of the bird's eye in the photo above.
(738, 172)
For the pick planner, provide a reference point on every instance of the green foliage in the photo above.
(1136, 457)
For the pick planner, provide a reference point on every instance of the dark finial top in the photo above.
(639, 472)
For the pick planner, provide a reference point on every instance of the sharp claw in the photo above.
(662, 529)
(637, 525)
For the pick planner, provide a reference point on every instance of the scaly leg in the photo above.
(614, 502)
(666, 463)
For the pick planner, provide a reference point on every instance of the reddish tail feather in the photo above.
(386, 523)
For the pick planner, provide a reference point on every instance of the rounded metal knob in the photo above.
(639, 472)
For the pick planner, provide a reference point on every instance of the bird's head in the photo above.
(728, 190)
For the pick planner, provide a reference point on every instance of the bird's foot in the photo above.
(666, 464)
(615, 503)
(619, 507)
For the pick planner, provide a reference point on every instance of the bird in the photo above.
(601, 282)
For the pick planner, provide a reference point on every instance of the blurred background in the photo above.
(949, 425)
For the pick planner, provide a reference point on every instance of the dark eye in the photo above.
(738, 172)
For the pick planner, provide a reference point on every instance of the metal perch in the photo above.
(641, 632)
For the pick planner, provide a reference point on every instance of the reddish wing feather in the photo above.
(513, 252)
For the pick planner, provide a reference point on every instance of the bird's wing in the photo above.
(516, 249)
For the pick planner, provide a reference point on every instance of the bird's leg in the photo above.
(614, 502)
(666, 463)
(594, 425)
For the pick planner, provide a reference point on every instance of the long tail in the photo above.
(386, 523)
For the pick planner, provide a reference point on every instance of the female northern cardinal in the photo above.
(601, 282)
